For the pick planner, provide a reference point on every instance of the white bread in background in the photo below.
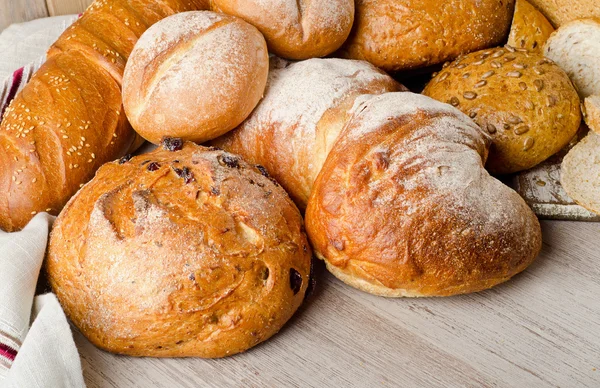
(580, 173)
(530, 29)
(576, 48)
(592, 113)
(562, 11)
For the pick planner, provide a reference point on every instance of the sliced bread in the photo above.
(580, 175)
(592, 112)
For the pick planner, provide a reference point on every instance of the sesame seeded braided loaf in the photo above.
(69, 119)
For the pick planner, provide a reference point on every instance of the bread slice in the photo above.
(562, 11)
(592, 113)
(580, 175)
(530, 29)
(576, 48)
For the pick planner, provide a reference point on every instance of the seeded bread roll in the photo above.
(530, 29)
(575, 47)
(524, 101)
(184, 251)
(580, 173)
(592, 113)
(194, 75)
(295, 29)
(562, 11)
(407, 34)
(404, 207)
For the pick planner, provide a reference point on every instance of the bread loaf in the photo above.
(575, 47)
(69, 119)
(194, 75)
(306, 104)
(184, 251)
(295, 29)
(562, 11)
(404, 207)
(580, 172)
(592, 113)
(530, 29)
(524, 101)
(407, 34)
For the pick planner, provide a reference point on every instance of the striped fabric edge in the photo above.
(9, 347)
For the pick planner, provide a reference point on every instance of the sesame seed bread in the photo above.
(575, 47)
(524, 101)
(580, 173)
(399, 35)
(69, 120)
(404, 207)
(530, 29)
(194, 75)
(295, 29)
(185, 251)
(592, 113)
(562, 11)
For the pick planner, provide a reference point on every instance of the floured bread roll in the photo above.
(184, 251)
(404, 207)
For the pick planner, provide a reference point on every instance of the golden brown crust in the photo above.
(526, 103)
(163, 93)
(306, 104)
(70, 112)
(562, 11)
(404, 207)
(179, 253)
(592, 113)
(530, 29)
(295, 29)
(407, 34)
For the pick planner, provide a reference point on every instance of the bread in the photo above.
(524, 101)
(408, 34)
(575, 47)
(592, 113)
(194, 75)
(306, 105)
(179, 253)
(530, 29)
(404, 207)
(69, 119)
(562, 11)
(580, 173)
(295, 29)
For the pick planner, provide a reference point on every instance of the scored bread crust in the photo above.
(580, 172)
(179, 254)
(560, 12)
(404, 207)
(306, 104)
(195, 75)
(524, 101)
(530, 29)
(399, 35)
(295, 29)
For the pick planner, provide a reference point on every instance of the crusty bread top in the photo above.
(562, 11)
(305, 106)
(530, 29)
(179, 252)
(580, 173)
(404, 207)
(575, 47)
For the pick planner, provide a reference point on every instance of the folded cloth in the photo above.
(36, 343)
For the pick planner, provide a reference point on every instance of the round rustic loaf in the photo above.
(407, 34)
(295, 29)
(527, 103)
(184, 251)
(404, 207)
(306, 105)
(194, 75)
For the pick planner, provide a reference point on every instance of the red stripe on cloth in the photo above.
(17, 78)
(7, 352)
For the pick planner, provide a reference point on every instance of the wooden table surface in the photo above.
(16, 11)
(541, 329)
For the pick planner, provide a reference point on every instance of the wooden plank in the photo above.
(538, 330)
(65, 7)
(17, 11)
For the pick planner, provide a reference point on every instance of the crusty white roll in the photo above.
(194, 75)
(404, 207)
(306, 105)
(295, 29)
(184, 251)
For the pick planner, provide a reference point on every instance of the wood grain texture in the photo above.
(65, 7)
(539, 330)
(16, 11)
